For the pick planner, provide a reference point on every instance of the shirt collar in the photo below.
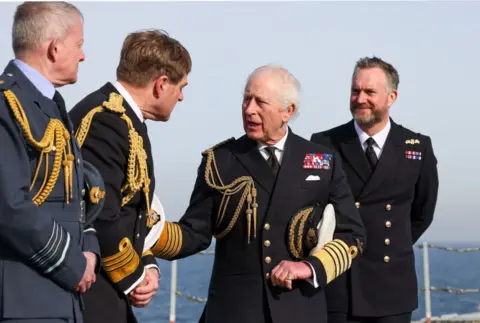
(279, 145)
(38, 80)
(123, 92)
(379, 137)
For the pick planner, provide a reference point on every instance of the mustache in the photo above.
(361, 106)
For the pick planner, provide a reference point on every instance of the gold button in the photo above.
(267, 276)
(1, 81)
(266, 226)
(268, 260)
(388, 207)
(388, 224)
(267, 243)
(386, 259)
(387, 242)
(357, 204)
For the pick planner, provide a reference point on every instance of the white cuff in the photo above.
(312, 280)
(135, 284)
(153, 266)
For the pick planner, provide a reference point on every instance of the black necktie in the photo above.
(61, 107)
(272, 160)
(370, 153)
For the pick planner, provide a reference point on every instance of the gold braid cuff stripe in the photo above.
(336, 258)
(137, 169)
(56, 138)
(123, 263)
(170, 241)
(147, 253)
(249, 195)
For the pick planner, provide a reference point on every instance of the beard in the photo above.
(375, 116)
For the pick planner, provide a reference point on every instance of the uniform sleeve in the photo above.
(426, 192)
(90, 244)
(26, 228)
(149, 261)
(106, 148)
(193, 233)
(335, 257)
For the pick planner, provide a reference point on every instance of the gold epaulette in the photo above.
(137, 168)
(336, 258)
(205, 152)
(56, 138)
(249, 194)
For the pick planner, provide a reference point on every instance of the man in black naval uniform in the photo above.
(110, 126)
(392, 172)
(48, 256)
(251, 194)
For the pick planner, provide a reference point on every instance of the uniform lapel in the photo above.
(354, 154)
(290, 167)
(386, 165)
(246, 150)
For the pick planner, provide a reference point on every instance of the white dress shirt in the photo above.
(279, 147)
(123, 92)
(379, 138)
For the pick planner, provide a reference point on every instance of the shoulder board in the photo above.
(204, 153)
(6, 81)
(114, 103)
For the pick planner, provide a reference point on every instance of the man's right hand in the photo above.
(89, 276)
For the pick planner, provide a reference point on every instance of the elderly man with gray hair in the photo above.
(48, 256)
(262, 197)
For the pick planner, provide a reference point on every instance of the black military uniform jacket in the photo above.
(251, 242)
(42, 236)
(397, 203)
(108, 144)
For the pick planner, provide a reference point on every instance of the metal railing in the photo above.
(426, 274)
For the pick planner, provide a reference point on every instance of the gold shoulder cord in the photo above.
(56, 138)
(249, 194)
(137, 169)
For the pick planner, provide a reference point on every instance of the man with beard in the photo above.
(261, 196)
(392, 172)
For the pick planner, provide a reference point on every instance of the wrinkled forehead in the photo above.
(262, 86)
(369, 78)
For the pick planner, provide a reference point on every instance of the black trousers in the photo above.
(345, 318)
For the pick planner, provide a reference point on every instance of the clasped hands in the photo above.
(143, 293)
(287, 271)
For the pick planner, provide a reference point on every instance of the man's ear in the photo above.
(160, 85)
(289, 112)
(53, 49)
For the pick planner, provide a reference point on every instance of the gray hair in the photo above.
(290, 88)
(393, 79)
(37, 22)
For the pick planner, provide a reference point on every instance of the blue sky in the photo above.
(434, 46)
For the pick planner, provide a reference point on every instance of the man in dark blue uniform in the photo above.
(48, 258)
(250, 194)
(393, 175)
